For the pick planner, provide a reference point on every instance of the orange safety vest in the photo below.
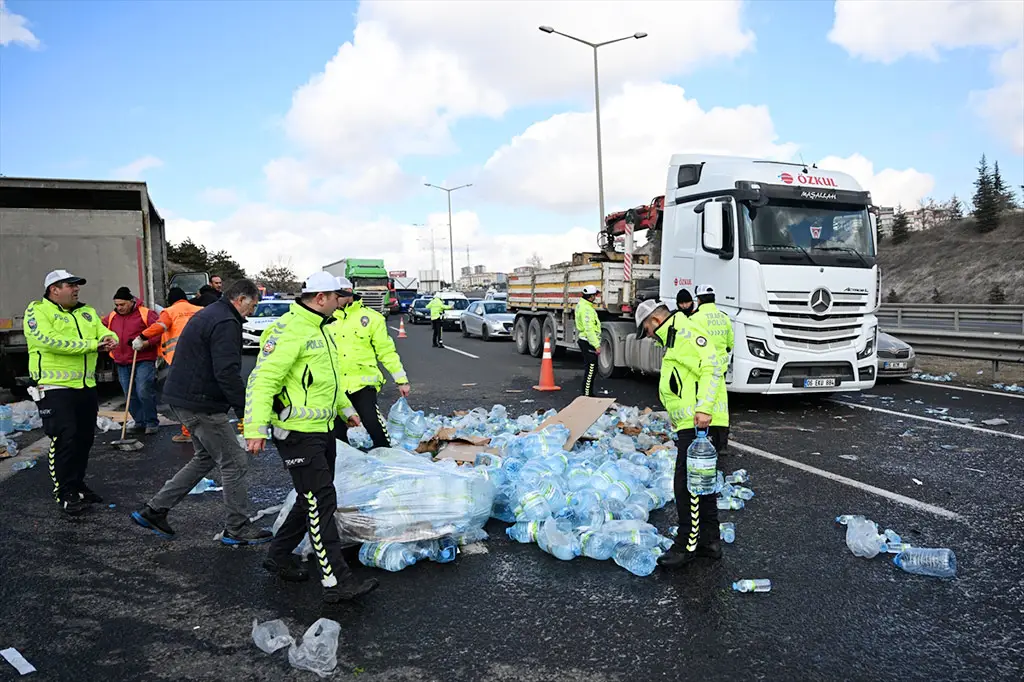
(172, 320)
(143, 312)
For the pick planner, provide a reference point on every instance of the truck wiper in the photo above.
(796, 247)
(848, 249)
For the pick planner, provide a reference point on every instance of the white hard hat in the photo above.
(643, 311)
(705, 290)
(62, 276)
(345, 284)
(590, 290)
(320, 282)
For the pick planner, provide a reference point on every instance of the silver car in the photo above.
(488, 320)
(895, 358)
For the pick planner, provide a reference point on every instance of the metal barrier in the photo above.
(1002, 319)
(994, 347)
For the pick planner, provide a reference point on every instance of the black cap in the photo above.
(175, 294)
(683, 296)
(123, 294)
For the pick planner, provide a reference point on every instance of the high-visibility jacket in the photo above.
(716, 325)
(295, 385)
(363, 342)
(691, 374)
(169, 325)
(437, 307)
(62, 344)
(127, 327)
(588, 324)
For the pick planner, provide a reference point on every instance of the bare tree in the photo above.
(535, 262)
(279, 276)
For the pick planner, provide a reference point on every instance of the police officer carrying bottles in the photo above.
(717, 327)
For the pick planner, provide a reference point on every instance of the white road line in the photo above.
(395, 328)
(462, 352)
(1005, 394)
(881, 492)
(930, 419)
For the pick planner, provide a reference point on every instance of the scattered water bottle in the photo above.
(846, 518)
(6, 419)
(757, 585)
(738, 476)
(730, 503)
(597, 546)
(673, 531)
(728, 531)
(742, 493)
(701, 465)
(636, 559)
(938, 563)
(524, 531)
(863, 539)
(391, 556)
(19, 466)
(203, 486)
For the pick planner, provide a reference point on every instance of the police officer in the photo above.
(717, 327)
(437, 306)
(691, 373)
(65, 337)
(293, 394)
(363, 341)
(588, 335)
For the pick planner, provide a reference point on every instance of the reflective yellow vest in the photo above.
(62, 344)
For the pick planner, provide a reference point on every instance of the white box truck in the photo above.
(790, 250)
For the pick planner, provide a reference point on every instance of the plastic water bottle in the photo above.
(742, 493)
(729, 503)
(701, 465)
(597, 546)
(738, 476)
(845, 519)
(442, 550)
(757, 585)
(636, 559)
(6, 419)
(524, 531)
(728, 531)
(391, 556)
(938, 563)
(20, 466)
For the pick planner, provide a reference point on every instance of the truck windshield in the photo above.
(189, 282)
(808, 233)
(360, 282)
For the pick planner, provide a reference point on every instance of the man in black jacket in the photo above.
(203, 384)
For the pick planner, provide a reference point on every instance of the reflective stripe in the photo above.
(691, 540)
(328, 579)
(55, 375)
(53, 469)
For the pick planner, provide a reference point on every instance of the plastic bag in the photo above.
(271, 635)
(318, 651)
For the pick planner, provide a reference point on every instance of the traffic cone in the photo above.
(547, 370)
(401, 328)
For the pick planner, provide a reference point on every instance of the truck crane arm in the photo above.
(646, 217)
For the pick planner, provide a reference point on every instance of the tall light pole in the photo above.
(597, 108)
(451, 241)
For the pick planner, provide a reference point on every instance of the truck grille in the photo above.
(796, 325)
(373, 299)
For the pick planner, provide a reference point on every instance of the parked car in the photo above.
(458, 302)
(487, 319)
(895, 358)
(267, 312)
(418, 311)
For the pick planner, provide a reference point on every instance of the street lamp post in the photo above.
(597, 108)
(451, 240)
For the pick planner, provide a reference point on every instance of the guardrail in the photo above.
(993, 347)
(1002, 319)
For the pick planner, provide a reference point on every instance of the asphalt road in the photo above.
(100, 599)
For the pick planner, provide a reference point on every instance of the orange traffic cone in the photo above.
(547, 370)
(401, 328)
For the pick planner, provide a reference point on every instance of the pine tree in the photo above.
(892, 296)
(1005, 197)
(955, 208)
(900, 226)
(936, 296)
(996, 295)
(986, 200)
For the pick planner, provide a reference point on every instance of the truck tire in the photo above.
(534, 338)
(550, 332)
(519, 335)
(606, 360)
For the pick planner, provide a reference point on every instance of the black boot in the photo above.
(676, 558)
(286, 569)
(349, 588)
(712, 550)
(154, 520)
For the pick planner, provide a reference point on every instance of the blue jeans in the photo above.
(143, 405)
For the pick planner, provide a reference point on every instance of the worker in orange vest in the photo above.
(168, 328)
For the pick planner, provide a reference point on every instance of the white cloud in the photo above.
(1003, 105)
(885, 31)
(14, 29)
(135, 169)
(221, 196)
(258, 234)
(552, 163)
(295, 182)
(888, 187)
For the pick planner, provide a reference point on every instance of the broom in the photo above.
(128, 444)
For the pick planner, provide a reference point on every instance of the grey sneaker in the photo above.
(152, 430)
(250, 535)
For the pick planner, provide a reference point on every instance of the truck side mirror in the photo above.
(712, 227)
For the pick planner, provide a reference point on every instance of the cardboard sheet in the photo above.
(579, 416)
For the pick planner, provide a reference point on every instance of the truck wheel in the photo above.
(534, 339)
(550, 332)
(519, 335)
(606, 360)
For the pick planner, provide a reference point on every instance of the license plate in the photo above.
(819, 383)
(894, 365)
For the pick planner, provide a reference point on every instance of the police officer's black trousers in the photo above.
(365, 403)
(69, 419)
(589, 368)
(309, 458)
(436, 324)
(698, 514)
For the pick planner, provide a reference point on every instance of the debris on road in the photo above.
(21, 466)
(24, 416)
(271, 635)
(8, 448)
(852, 458)
(205, 485)
(943, 378)
(756, 585)
(14, 657)
(935, 563)
(994, 422)
(864, 540)
(318, 651)
(1012, 388)
(917, 481)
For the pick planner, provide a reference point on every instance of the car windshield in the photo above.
(458, 303)
(271, 309)
(420, 303)
(190, 282)
(494, 308)
(814, 233)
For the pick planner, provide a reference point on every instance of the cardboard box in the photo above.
(579, 416)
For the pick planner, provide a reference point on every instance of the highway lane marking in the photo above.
(881, 492)
(454, 350)
(930, 419)
(1005, 394)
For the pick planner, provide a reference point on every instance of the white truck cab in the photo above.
(791, 252)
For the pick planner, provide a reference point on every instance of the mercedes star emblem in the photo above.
(821, 301)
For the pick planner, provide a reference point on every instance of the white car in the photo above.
(452, 319)
(267, 313)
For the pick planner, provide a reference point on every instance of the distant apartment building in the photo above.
(476, 277)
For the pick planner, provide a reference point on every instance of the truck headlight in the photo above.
(759, 349)
(869, 347)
